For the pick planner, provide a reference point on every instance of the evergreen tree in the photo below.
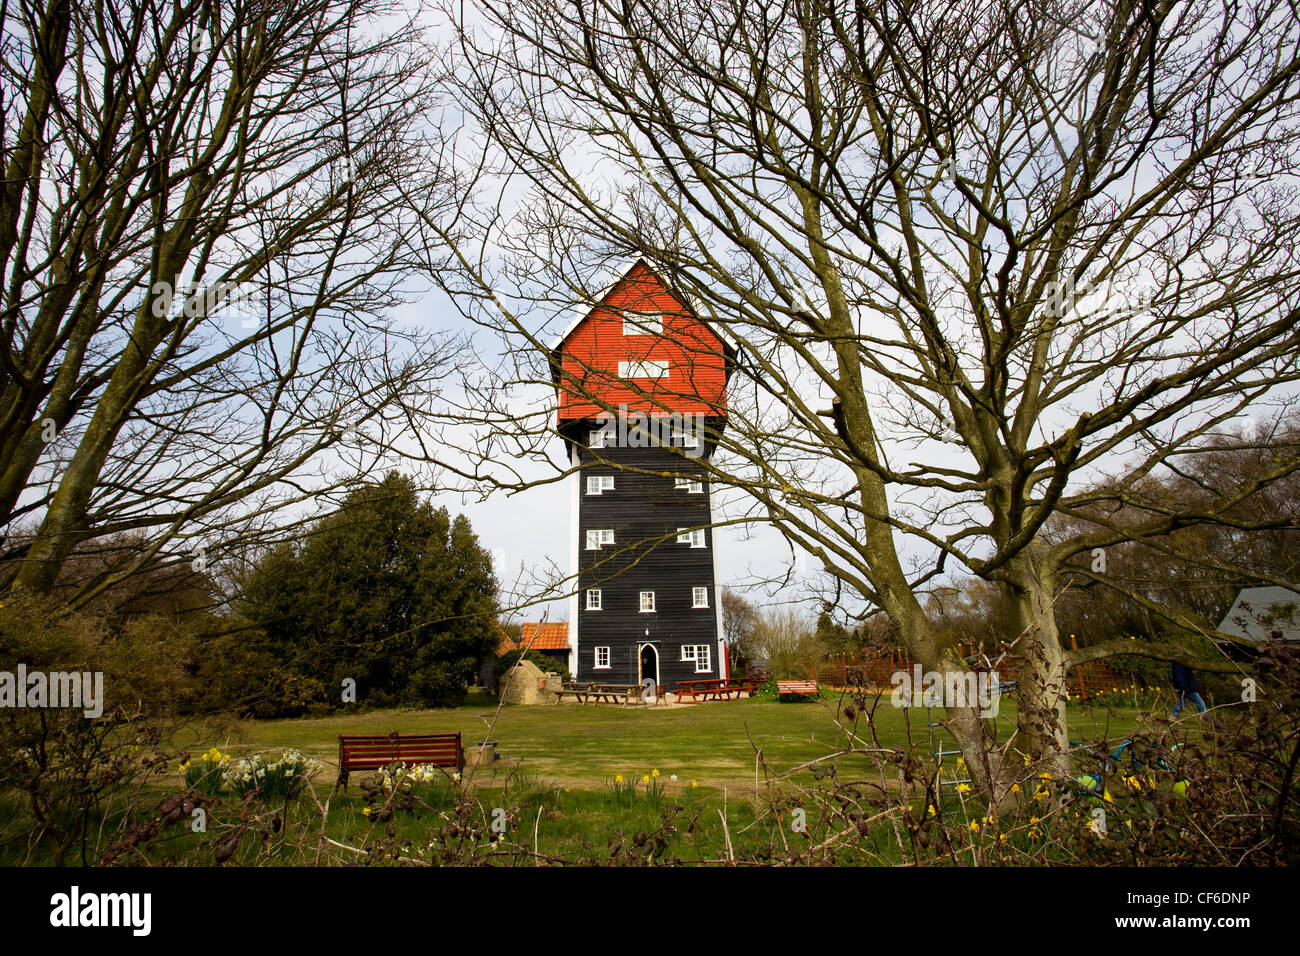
(387, 591)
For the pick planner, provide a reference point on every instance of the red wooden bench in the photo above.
(784, 687)
(376, 751)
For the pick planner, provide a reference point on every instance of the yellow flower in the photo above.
(654, 773)
(930, 809)
(1033, 819)
(1015, 788)
(645, 778)
(365, 811)
(185, 766)
(1041, 794)
(1044, 776)
(694, 784)
(1026, 760)
(963, 788)
(619, 778)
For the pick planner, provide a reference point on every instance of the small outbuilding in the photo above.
(1259, 613)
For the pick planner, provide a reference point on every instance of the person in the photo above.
(1186, 690)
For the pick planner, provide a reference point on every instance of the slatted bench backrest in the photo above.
(373, 751)
(796, 687)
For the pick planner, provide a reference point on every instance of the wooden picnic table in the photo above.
(601, 693)
(716, 689)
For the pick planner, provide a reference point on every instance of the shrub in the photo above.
(71, 768)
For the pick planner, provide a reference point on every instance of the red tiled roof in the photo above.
(552, 637)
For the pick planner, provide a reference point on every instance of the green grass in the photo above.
(556, 779)
(716, 744)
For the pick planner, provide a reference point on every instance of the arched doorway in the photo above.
(649, 663)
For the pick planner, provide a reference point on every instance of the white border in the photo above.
(575, 501)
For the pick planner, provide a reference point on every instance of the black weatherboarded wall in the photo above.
(644, 511)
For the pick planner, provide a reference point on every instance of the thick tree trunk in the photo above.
(1041, 678)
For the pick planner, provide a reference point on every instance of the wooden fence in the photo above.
(875, 671)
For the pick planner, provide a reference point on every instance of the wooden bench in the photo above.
(578, 692)
(784, 687)
(376, 751)
(717, 689)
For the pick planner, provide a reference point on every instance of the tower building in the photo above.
(641, 382)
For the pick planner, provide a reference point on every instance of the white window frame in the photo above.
(594, 599)
(694, 486)
(603, 536)
(596, 438)
(694, 538)
(599, 483)
(596, 664)
(646, 368)
(649, 322)
(651, 608)
(693, 652)
(696, 594)
(684, 437)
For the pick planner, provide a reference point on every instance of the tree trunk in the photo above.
(1041, 678)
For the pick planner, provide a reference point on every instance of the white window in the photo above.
(694, 538)
(600, 538)
(602, 658)
(593, 599)
(699, 597)
(689, 484)
(684, 436)
(643, 323)
(643, 369)
(700, 654)
(598, 483)
(647, 601)
(596, 438)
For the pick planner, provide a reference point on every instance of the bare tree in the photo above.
(201, 235)
(739, 623)
(972, 256)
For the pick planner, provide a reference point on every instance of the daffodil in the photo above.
(1015, 788)
(694, 784)
(930, 809)
(619, 778)
(645, 778)
(654, 773)
(963, 788)
(974, 825)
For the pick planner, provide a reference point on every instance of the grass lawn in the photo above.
(556, 778)
(715, 743)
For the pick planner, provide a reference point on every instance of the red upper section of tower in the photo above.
(642, 347)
